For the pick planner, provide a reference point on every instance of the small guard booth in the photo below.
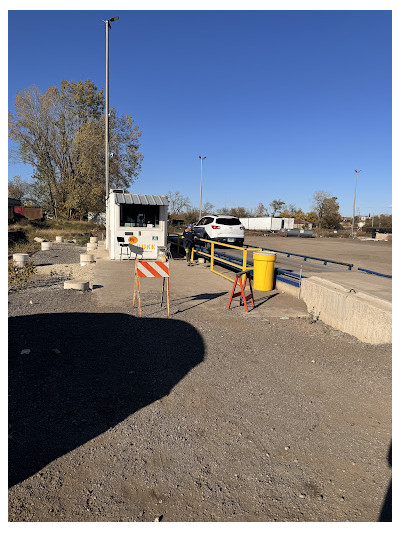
(141, 221)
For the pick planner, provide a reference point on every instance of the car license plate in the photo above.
(230, 240)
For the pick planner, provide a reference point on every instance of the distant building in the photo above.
(299, 223)
(12, 202)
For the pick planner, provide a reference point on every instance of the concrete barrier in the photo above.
(46, 245)
(383, 237)
(91, 245)
(366, 317)
(85, 259)
(94, 239)
(38, 239)
(59, 238)
(20, 259)
(77, 284)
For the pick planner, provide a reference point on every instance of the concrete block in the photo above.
(38, 239)
(366, 317)
(94, 239)
(76, 284)
(383, 237)
(59, 238)
(91, 245)
(85, 259)
(46, 245)
(201, 260)
(20, 259)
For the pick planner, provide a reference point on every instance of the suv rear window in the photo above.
(228, 221)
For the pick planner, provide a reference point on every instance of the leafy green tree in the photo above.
(312, 217)
(276, 207)
(330, 213)
(239, 212)
(60, 133)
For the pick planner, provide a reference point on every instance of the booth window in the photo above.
(139, 216)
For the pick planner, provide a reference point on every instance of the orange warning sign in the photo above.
(132, 239)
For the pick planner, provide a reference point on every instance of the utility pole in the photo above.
(107, 135)
(354, 204)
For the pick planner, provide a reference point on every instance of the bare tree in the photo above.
(318, 204)
(177, 202)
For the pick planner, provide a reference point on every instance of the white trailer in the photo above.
(141, 217)
(267, 223)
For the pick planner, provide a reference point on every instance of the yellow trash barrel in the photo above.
(264, 266)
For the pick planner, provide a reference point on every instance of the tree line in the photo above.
(324, 214)
(60, 133)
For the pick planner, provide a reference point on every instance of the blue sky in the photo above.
(282, 103)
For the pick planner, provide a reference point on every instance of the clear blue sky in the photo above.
(282, 103)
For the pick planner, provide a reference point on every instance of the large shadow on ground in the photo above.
(86, 373)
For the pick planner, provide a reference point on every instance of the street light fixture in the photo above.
(354, 204)
(107, 117)
(201, 180)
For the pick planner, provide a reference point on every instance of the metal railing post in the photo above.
(244, 264)
(212, 257)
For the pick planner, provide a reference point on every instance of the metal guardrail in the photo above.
(235, 263)
(287, 276)
(375, 273)
(305, 257)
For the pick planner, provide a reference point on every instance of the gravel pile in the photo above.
(55, 266)
(59, 254)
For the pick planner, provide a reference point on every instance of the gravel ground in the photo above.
(227, 418)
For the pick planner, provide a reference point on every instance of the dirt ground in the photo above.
(207, 416)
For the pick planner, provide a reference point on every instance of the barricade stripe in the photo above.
(163, 266)
(161, 271)
(143, 272)
(150, 268)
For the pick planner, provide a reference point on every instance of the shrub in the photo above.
(17, 275)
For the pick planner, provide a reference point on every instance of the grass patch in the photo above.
(49, 229)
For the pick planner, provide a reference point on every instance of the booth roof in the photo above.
(141, 199)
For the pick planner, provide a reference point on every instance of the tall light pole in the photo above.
(107, 136)
(354, 204)
(201, 179)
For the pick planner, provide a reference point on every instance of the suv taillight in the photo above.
(241, 227)
(216, 227)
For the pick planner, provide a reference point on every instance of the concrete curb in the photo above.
(366, 317)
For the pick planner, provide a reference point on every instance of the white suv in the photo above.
(220, 228)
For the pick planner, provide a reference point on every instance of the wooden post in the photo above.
(168, 295)
(162, 294)
(138, 287)
(134, 284)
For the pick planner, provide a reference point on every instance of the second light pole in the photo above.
(201, 179)
(354, 204)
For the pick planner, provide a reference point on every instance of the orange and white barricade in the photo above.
(151, 269)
